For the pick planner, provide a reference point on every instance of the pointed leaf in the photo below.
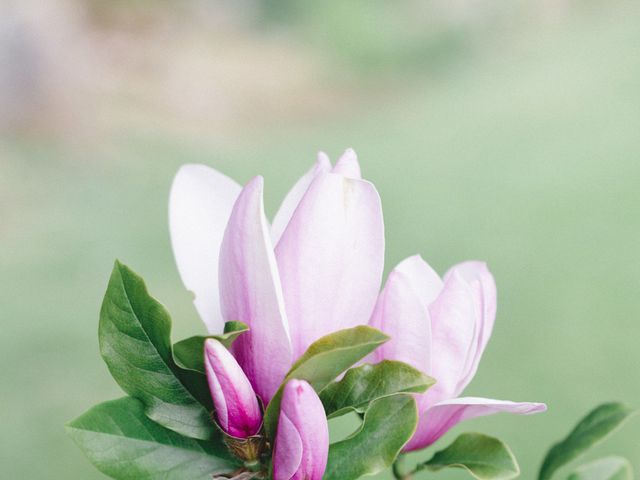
(135, 343)
(189, 353)
(388, 424)
(323, 361)
(609, 468)
(361, 385)
(484, 457)
(591, 430)
(122, 442)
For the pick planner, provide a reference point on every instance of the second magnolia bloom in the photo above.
(302, 441)
(446, 325)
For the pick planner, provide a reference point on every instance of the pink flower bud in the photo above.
(237, 409)
(302, 440)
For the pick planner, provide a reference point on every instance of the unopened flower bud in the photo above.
(236, 406)
(302, 440)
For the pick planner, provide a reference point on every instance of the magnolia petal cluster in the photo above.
(446, 324)
(236, 406)
(302, 441)
(317, 269)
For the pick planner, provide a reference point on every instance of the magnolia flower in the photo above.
(315, 270)
(441, 326)
(237, 409)
(302, 440)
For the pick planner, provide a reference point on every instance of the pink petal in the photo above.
(483, 287)
(402, 313)
(453, 327)
(331, 258)
(424, 280)
(236, 407)
(440, 418)
(292, 199)
(347, 165)
(200, 203)
(250, 292)
(305, 420)
(288, 450)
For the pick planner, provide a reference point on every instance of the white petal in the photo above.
(200, 203)
(347, 165)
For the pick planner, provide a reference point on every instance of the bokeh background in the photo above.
(507, 131)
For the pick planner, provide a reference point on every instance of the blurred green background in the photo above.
(502, 131)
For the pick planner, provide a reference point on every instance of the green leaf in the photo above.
(388, 424)
(189, 353)
(122, 442)
(592, 429)
(609, 468)
(484, 457)
(363, 384)
(323, 361)
(135, 343)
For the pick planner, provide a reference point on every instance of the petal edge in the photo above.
(250, 292)
(200, 203)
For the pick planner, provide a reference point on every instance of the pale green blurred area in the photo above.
(500, 131)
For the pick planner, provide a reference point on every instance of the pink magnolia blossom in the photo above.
(315, 270)
(302, 440)
(441, 326)
(237, 409)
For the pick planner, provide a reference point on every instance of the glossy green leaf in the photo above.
(134, 337)
(189, 353)
(388, 424)
(592, 429)
(123, 443)
(609, 468)
(361, 385)
(482, 456)
(323, 361)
